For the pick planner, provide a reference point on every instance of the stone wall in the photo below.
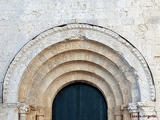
(136, 20)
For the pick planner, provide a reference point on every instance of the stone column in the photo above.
(40, 113)
(23, 111)
(117, 113)
(32, 113)
(125, 112)
(133, 110)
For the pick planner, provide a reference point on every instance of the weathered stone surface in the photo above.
(20, 21)
(1, 84)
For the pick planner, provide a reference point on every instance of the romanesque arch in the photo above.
(79, 52)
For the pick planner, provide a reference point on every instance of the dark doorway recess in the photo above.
(79, 101)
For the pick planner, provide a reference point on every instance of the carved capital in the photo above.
(24, 109)
(40, 110)
(132, 107)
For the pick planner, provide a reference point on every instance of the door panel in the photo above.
(79, 101)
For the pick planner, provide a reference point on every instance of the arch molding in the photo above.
(74, 52)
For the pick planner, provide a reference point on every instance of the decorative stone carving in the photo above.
(133, 110)
(35, 51)
(132, 107)
(23, 111)
(98, 32)
(24, 108)
(68, 61)
(83, 77)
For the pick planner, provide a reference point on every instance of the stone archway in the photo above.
(74, 52)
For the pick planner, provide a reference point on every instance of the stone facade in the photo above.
(105, 53)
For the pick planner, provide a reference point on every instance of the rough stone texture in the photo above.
(137, 21)
(1, 84)
(84, 48)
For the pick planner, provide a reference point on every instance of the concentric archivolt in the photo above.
(79, 42)
(115, 71)
(81, 76)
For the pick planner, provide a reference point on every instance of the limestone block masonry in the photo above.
(113, 45)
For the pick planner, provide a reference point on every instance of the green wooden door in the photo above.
(79, 101)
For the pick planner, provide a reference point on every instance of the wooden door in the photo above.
(79, 101)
